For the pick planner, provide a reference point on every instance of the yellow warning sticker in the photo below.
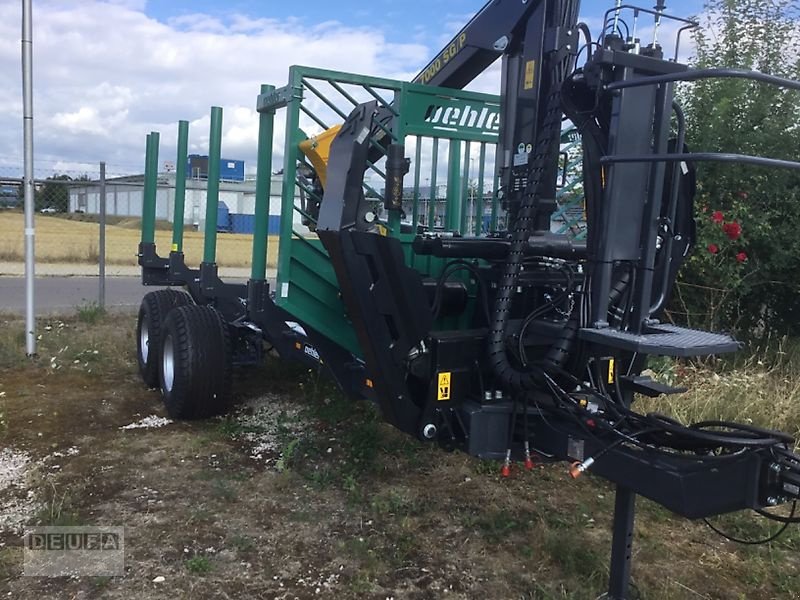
(611, 366)
(174, 247)
(530, 74)
(444, 386)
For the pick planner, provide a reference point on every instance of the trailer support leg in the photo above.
(621, 545)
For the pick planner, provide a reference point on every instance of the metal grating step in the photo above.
(663, 340)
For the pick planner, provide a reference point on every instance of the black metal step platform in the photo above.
(646, 386)
(663, 340)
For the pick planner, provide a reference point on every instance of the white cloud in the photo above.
(105, 75)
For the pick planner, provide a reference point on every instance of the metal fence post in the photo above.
(30, 231)
(102, 250)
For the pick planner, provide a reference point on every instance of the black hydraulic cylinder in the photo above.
(397, 166)
(556, 246)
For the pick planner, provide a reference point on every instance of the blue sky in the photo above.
(393, 16)
(418, 20)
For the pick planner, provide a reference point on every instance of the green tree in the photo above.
(53, 193)
(745, 272)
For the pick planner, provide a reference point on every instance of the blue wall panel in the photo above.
(243, 223)
(247, 223)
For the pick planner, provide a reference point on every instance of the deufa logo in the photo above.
(53, 541)
(485, 119)
(74, 551)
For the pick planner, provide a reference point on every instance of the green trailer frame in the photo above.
(447, 130)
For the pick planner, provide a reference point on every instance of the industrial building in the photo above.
(124, 196)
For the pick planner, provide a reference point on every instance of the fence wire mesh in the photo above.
(67, 202)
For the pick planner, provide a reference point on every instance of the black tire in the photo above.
(195, 368)
(154, 309)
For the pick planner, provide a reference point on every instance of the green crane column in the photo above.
(212, 197)
(266, 122)
(150, 189)
(180, 186)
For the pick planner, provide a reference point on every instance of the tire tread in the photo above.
(202, 369)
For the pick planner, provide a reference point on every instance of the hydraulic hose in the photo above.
(523, 226)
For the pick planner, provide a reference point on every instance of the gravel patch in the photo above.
(17, 505)
(268, 423)
(151, 422)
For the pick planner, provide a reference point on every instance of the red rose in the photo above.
(732, 230)
(713, 248)
(717, 217)
(741, 257)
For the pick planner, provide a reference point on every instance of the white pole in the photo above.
(30, 235)
(102, 249)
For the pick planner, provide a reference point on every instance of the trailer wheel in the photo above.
(152, 312)
(195, 368)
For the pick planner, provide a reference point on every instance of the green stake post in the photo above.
(180, 186)
(266, 123)
(150, 189)
(212, 197)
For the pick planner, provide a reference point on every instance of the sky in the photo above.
(107, 72)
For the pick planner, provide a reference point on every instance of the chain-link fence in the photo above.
(88, 221)
(52, 180)
(68, 236)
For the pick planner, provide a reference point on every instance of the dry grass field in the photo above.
(62, 240)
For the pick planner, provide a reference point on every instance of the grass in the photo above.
(199, 565)
(223, 490)
(572, 554)
(762, 388)
(62, 240)
(91, 342)
(375, 511)
(90, 313)
(9, 562)
(57, 510)
(242, 543)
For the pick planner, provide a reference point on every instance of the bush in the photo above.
(743, 275)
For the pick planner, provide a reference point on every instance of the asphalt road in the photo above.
(64, 294)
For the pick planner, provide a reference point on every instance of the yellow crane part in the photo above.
(317, 149)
